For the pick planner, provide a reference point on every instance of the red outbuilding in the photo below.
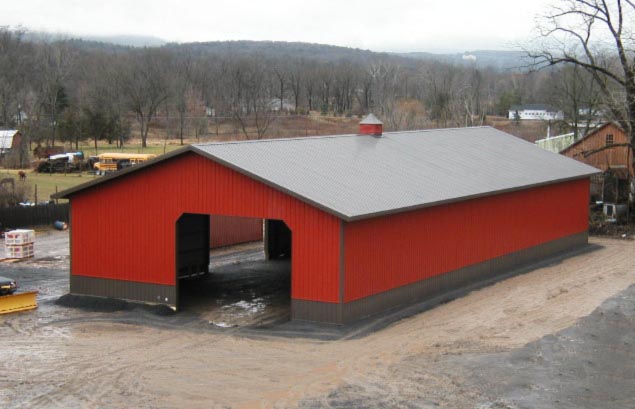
(372, 221)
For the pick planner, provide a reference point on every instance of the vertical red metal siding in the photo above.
(388, 252)
(228, 230)
(125, 229)
(371, 129)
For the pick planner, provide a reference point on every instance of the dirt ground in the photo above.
(560, 335)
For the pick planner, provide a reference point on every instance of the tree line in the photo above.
(64, 91)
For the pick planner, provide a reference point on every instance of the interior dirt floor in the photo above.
(561, 335)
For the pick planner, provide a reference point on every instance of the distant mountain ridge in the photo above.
(128, 40)
(499, 60)
(124, 40)
(279, 49)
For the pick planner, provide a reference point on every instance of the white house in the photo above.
(535, 111)
(274, 105)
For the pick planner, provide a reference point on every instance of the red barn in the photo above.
(606, 148)
(587, 149)
(10, 139)
(372, 221)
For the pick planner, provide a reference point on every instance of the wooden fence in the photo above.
(18, 217)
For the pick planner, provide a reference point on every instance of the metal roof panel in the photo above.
(6, 138)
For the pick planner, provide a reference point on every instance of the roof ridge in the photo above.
(295, 138)
(458, 128)
(304, 138)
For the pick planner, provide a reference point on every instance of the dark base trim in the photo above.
(438, 289)
(434, 290)
(316, 311)
(124, 290)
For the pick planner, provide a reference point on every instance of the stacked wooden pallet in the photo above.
(19, 243)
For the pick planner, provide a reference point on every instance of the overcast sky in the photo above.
(393, 25)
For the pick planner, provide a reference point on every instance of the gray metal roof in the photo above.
(533, 107)
(6, 139)
(359, 176)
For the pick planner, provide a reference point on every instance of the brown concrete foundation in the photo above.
(124, 290)
(436, 289)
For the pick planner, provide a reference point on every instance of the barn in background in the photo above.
(10, 140)
(371, 221)
(13, 149)
(606, 148)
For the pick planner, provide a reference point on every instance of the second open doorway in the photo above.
(234, 271)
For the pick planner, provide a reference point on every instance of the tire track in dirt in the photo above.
(93, 380)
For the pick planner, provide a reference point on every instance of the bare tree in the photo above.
(443, 102)
(325, 75)
(386, 96)
(55, 62)
(296, 81)
(13, 67)
(574, 90)
(251, 101)
(213, 79)
(181, 80)
(474, 113)
(344, 87)
(311, 86)
(105, 105)
(281, 77)
(597, 36)
(145, 84)
(367, 86)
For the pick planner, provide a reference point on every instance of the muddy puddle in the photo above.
(242, 289)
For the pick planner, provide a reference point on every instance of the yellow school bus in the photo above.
(107, 162)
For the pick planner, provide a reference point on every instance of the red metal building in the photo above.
(233, 230)
(375, 220)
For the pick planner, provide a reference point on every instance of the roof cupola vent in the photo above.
(371, 126)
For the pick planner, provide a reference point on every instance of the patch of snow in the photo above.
(221, 324)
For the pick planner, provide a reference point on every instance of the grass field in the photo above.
(157, 149)
(47, 183)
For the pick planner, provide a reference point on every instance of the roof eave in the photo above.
(464, 198)
(66, 194)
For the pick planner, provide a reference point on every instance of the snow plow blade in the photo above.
(18, 302)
